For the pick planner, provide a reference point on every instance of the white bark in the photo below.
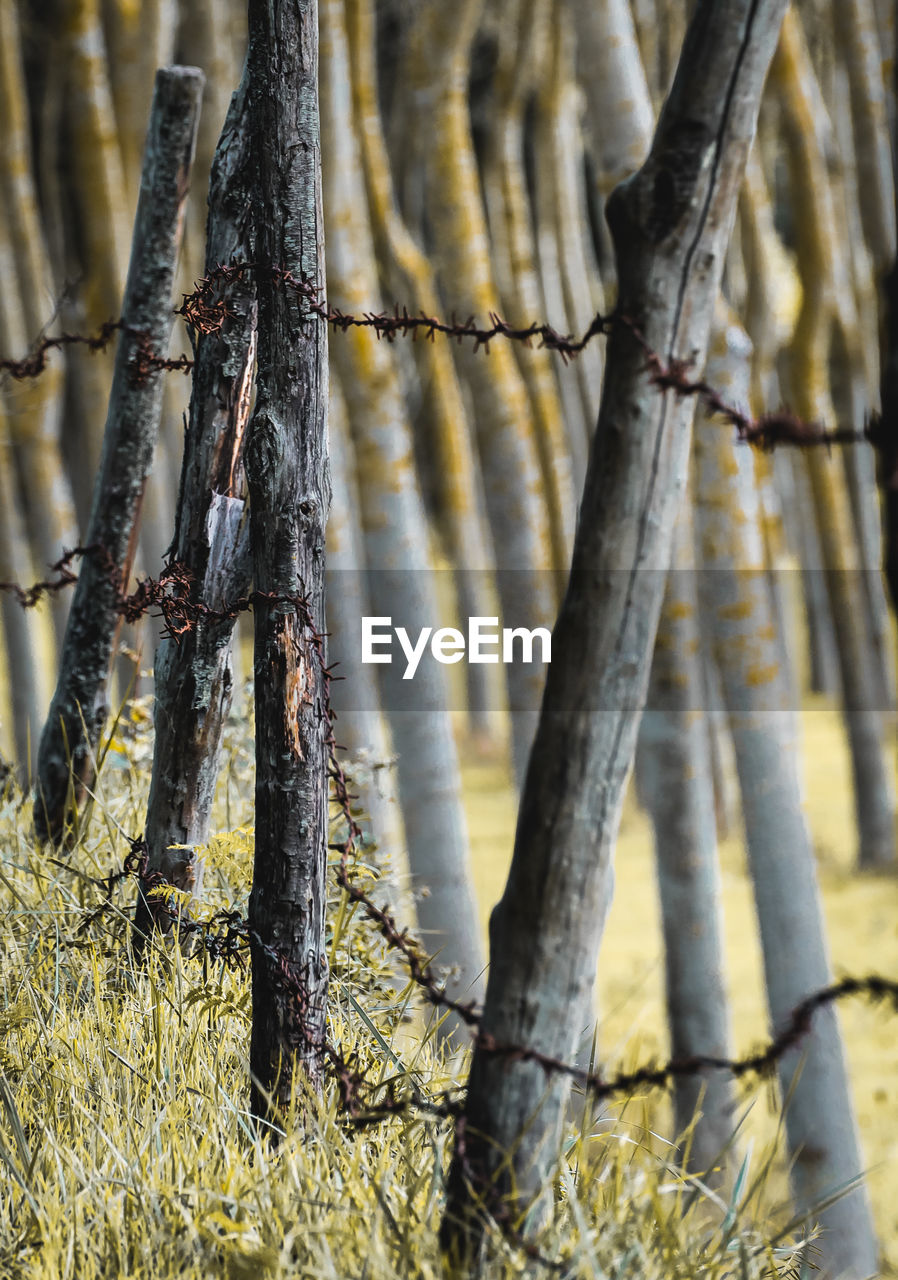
(676, 782)
(737, 609)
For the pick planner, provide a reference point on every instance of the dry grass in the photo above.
(862, 919)
(126, 1149)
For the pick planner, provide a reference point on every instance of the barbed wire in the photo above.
(205, 311)
(227, 936)
(170, 594)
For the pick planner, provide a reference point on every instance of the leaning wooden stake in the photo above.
(193, 672)
(78, 711)
(670, 225)
(286, 469)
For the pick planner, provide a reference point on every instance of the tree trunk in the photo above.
(515, 492)
(400, 581)
(571, 287)
(361, 728)
(862, 684)
(670, 225)
(20, 626)
(96, 238)
(286, 470)
(78, 710)
(738, 613)
(513, 254)
(675, 777)
(443, 418)
(193, 671)
(33, 407)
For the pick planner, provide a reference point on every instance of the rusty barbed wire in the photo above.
(226, 936)
(180, 612)
(205, 310)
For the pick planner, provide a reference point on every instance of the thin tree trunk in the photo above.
(194, 678)
(78, 710)
(286, 470)
(861, 683)
(96, 240)
(610, 70)
(138, 39)
(20, 626)
(859, 44)
(513, 254)
(444, 420)
(888, 441)
(515, 494)
(737, 610)
(676, 781)
(670, 225)
(34, 406)
(361, 731)
(396, 550)
(563, 216)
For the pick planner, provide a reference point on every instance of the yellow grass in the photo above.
(125, 1145)
(862, 919)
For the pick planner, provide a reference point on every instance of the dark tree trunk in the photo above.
(670, 224)
(78, 711)
(193, 671)
(286, 469)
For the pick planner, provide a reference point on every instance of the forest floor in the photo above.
(862, 921)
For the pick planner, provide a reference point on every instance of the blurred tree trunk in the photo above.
(888, 430)
(571, 288)
(20, 626)
(95, 249)
(861, 48)
(676, 782)
(71, 735)
(138, 39)
(737, 610)
(619, 117)
(523, 31)
(194, 678)
(670, 225)
(286, 471)
(862, 682)
(396, 545)
(32, 406)
(361, 730)
(436, 69)
(444, 418)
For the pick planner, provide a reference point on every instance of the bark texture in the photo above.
(286, 470)
(78, 710)
(193, 671)
(670, 224)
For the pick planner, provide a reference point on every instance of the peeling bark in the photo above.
(194, 680)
